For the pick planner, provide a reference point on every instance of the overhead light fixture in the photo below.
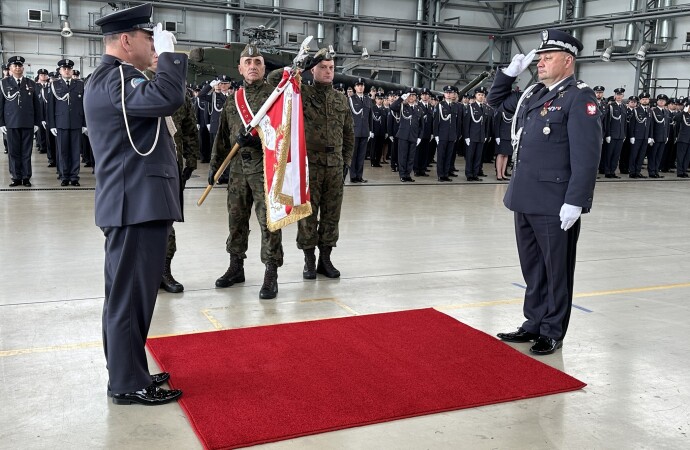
(641, 54)
(365, 53)
(66, 30)
(606, 56)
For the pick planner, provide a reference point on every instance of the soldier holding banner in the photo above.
(246, 183)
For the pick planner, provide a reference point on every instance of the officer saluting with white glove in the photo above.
(557, 138)
(137, 188)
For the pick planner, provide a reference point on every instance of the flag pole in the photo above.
(304, 48)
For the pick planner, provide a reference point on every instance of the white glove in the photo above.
(419, 140)
(163, 40)
(392, 138)
(3, 129)
(608, 139)
(386, 136)
(404, 96)
(632, 140)
(486, 139)
(208, 127)
(198, 127)
(214, 83)
(519, 63)
(666, 141)
(54, 131)
(35, 128)
(569, 215)
(84, 130)
(436, 138)
(467, 141)
(371, 135)
(650, 141)
(498, 141)
(432, 136)
(43, 122)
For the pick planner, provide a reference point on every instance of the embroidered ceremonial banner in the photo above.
(286, 171)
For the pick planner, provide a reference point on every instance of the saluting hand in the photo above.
(519, 63)
(163, 40)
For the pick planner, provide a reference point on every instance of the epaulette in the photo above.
(581, 85)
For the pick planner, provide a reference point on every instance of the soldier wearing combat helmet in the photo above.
(330, 144)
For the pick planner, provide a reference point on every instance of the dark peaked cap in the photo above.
(130, 19)
(557, 40)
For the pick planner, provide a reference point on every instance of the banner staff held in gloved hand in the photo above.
(557, 137)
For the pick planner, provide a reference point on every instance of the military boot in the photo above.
(325, 266)
(234, 274)
(309, 272)
(169, 283)
(270, 287)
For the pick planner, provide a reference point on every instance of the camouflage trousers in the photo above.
(321, 227)
(243, 191)
(172, 244)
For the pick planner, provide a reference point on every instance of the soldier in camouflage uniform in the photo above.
(330, 144)
(187, 147)
(246, 184)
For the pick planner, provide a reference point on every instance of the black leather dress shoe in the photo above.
(51, 164)
(362, 180)
(151, 396)
(639, 175)
(632, 175)
(64, 183)
(26, 182)
(75, 183)
(15, 183)
(157, 379)
(518, 336)
(545, 346)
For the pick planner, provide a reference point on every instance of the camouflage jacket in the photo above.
(248, 160)
(328, 123)
(187, 137)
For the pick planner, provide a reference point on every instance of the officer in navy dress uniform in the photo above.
(602, 103)
(363, 117)
(41, 84)
(137, 188)
(658, 135)
(446, 130)
(557, 132)
(409, 132)
(380, 124)
(215, 100)
(615, 123)
(639, 127)
(668, 160)
(682, 126)
(422, 155)
(475, 134)
(393, 124)
(502, 123)
(202, 121)
(20, 117)
(66, 121)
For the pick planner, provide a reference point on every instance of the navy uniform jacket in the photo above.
(212, 99)
(20, 106)
(393, 122)
(616, 121)
(201, 107)
(380, 122)
(411, 120)
(502, 124)
(361, 115)
(448, 121)
(44, 97)
(66, 105)
(682, 125)
(427, 121)
(639, 123)
(475, 123)
(660, 121)
(558, 167)
(131, 188)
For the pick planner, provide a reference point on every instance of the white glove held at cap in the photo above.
(35, 128)
(419, 140)
(404, 96)
(498, 141)
(84, 130)
(608, 139)
(467, 141)
(54, 131)
(650, 141)
(519, 63)
(163, 40)
(569, 215)
(436, 138)
(632, 140)
(214, 83)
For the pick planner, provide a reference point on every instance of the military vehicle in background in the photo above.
(208, 62)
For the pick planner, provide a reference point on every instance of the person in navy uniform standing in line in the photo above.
(137, 188)
(363, 117)
(475, 133)
(557, 129)
(658, 135)
(409, 132)
(66, 121)
(639, 127)
(447, 127)
(615, 124)
(20, 116)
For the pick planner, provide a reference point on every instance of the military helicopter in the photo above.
(205, 63)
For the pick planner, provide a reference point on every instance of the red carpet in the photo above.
(254, 385)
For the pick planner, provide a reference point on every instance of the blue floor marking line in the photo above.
(574, 305)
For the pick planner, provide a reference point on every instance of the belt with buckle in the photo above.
(329, 149)
(247, 156)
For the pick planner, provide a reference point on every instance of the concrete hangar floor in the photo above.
(403, 246)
